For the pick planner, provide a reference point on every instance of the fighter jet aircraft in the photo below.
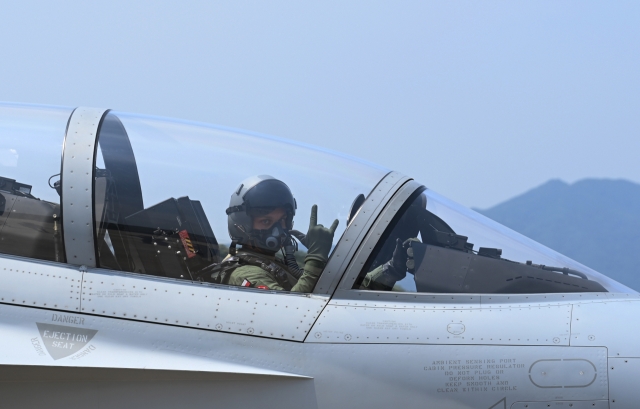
(110, 226)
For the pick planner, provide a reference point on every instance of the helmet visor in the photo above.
(268, 195)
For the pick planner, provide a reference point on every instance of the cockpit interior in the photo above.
(159, 188)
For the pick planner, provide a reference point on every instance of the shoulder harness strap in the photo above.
(221, 272)
(276, 271)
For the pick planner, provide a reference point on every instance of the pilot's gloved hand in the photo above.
(397, 266)
(302, 238)
(318, 239)
(410, 263)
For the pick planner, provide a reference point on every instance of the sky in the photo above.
(479, 101)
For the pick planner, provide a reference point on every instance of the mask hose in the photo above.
(290, 259)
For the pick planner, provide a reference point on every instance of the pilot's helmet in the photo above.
(259, 196)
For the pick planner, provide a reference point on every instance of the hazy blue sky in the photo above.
(478, 100)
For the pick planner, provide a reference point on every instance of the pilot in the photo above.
(390, 262)
(384, 277)
(260, 219)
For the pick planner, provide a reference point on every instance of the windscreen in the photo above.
(31, 139)
(435, 245)
(164, 189)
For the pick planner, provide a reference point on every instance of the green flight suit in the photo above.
(259, 277)
(376, 280)
(384, 277)
(379, 279)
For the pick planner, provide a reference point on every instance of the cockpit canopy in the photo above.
(148, 196)
(461, 251)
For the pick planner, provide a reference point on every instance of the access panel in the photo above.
(240, 310)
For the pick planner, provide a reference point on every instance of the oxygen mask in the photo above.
(271, 239)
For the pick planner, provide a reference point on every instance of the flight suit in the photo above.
(318, 241)
(379, 279)
(254, 276)
(385, 276)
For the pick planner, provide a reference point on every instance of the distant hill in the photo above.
(593, 221)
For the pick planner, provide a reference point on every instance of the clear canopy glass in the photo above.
(191, 168)
(462, 251)
(31, 139)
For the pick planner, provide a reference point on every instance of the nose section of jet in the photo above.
(612, 324)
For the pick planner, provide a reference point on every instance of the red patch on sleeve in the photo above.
(263, 287)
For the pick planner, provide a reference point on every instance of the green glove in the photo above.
(319, 239)
(302, 238)
(397, 266)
